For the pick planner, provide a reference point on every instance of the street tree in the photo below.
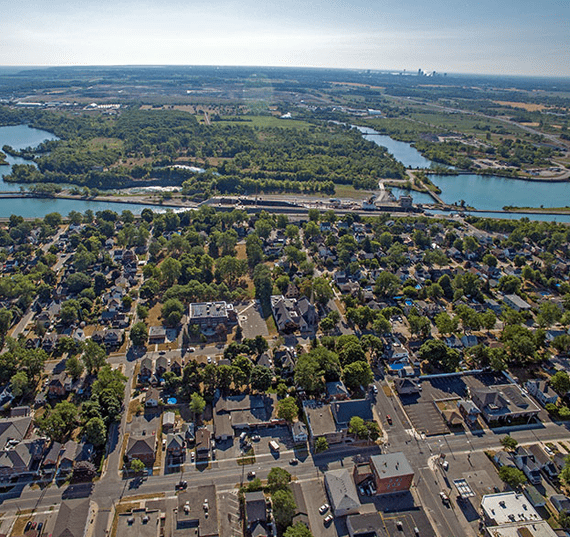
(508, 442)
(321, 444)
(277, 479)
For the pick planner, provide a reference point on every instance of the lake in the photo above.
(484, 192)
(20, 137)
(492, 193)
(565, 218)
(409, 156)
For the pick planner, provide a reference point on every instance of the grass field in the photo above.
(529, 107)
(266, 121)
(348, 191)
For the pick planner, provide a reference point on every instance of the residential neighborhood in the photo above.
(245, 374)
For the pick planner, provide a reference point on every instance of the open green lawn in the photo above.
(267, 121)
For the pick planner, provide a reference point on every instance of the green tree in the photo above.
(287, 409)
(351, 352)
(509, 284)
(283, 507)
(322, 290)
(172, 312)
(170, 270)
(137, 466)
(5, 323)
(560, 382)
(197, 403)
(19, 383)
(439, 355)
(548, 314)
(142, 311)
(263, 228)
(357, 374)
(263, 287)
(261, 377)
(96, 432)
(254, 250)
(512, 476)
(357, 427)
(298, 530)
(321, 444)
(58, 422)
(278, 479)
(74, 367)
(508, 442)
(139, 334)
(387, 284)
(446, 324)
(94, 356)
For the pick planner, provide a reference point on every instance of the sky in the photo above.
(519, 37)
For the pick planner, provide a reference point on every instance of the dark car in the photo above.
(388, 419)
(182, 485)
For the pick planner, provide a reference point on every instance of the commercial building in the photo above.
(208, 315)
(197, 511)
(392, 473)
(506, 508)
(342, 492)
(504, 403)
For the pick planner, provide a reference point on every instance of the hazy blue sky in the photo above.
(483, 36)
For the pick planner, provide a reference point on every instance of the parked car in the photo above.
(445, 465)
(444, 498)
(374, 388)
(191, 349)
(324, 508)
(328, 519)
(294, 461)
(251, 475)
(182, 485)
(388, 419)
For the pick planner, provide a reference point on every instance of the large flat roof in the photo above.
(508, 507)
(391, 465)
(523, 529)
(206, 310)
(320, 418)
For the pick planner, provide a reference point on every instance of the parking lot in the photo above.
(231, 450)
(251, 321)
(421, 410)
(400, 514)
(315, 496)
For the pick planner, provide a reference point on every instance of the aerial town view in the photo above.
(278, 285)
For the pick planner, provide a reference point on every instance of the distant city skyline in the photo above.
(510, 37)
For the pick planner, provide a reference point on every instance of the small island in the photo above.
(3, 161)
